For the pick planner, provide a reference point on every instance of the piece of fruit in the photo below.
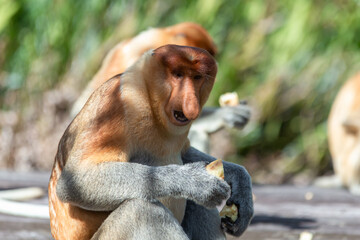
(229, 99)
(230, 211)
(216, 168)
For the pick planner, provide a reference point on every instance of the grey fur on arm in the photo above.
(114, 182)
(212, 119)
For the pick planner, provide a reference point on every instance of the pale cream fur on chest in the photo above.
(175, 205)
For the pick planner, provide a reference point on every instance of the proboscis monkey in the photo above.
(124, 168)
(190, 34)
(344, 137)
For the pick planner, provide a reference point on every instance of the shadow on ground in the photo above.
(290, 222)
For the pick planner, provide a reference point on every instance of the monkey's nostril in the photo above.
(243, 102)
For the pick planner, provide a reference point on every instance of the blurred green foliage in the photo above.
(289, 58)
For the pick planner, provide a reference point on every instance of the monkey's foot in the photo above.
(328, 182)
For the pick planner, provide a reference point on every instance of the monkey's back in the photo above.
(68, 221)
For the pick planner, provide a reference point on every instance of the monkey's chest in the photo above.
(176, 206)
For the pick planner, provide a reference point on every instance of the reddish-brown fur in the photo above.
(128, 51)
(344, 132)
(129, 113)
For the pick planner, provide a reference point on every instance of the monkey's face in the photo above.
(187, 78)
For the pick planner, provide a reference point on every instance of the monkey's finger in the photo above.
(242, 123)
(243, 102)
(242, 113)
(238, 122)
(229, 226)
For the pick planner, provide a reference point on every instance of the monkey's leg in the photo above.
(201, 223)
(137, 219)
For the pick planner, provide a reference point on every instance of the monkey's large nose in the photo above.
(190, 101)
(191, 107)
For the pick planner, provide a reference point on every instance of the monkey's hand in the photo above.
(213, 119)
(235, 116)
(241, 191)
(241, 195)
(204, 188)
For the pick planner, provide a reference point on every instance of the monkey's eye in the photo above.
(178, 74)
(197, 77)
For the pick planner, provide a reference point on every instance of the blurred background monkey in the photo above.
(119, 166)
(344, 138)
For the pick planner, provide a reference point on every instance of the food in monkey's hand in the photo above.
(229, 99)
(216, 168)
(230, 211)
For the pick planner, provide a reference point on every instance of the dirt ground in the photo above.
(282, 212)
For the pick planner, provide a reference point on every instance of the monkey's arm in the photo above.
(241, 191)
(213, 119)
(104, 186)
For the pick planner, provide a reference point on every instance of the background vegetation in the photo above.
(289, 58)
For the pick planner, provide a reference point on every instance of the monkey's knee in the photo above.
(140, 219)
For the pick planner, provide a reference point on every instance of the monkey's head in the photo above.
(179, 85)
(191, 34)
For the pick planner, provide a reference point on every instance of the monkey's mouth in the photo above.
(180, 117)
